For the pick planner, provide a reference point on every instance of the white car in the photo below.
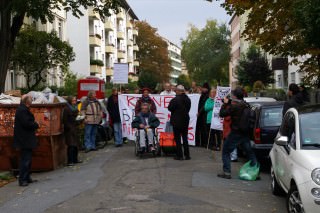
(295, 158)
(259, 99)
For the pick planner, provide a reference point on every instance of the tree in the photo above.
(147, 79)
(207, 52)
(37, 51)
(284, 28)
(184, 80)
(153, 52)
(254, 67)
(12, 13)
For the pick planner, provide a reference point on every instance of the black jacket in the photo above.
(294, 102)
(113, 109)
(233, 109)
(153, 121)
(24, 136)
(179, 108)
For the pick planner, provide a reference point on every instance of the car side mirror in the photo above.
(282, 141)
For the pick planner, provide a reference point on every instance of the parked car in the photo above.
(259, 99)
(295, 158)
(268, 117)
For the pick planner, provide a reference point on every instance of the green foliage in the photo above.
(70, 85)
(284, 28)
(185, 81)
(36, 51)
(207, 52)
(254, 67)
(146, 79)
(96, 62)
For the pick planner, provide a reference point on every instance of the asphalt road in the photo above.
(114, 180)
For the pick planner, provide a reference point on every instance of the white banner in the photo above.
(127, 104)
(217, 122)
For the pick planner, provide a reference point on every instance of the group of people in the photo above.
(145, 121)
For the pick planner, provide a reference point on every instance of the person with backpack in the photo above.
(239, 111)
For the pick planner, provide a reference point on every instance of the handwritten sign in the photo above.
(217, 122)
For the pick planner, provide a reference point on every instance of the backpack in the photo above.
(247, 118)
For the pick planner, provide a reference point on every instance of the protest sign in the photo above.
(120, 74)
(217, 122)
(127, 104)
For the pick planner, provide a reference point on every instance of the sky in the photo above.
(172, 17)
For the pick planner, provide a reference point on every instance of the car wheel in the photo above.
(275, 186)
(294, 203)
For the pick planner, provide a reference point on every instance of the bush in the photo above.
(185, 81)
(96, 62)
(258, 86)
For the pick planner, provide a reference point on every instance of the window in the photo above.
(97, 55)
(310, 128)
(271, 117)
(60, 29)
(102, 34)
(293, 77)
(279, 77)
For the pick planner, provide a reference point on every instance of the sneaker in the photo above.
(24, 184)
(70, 164)
(79, 161)
(187, 158)
(224, 175)
(94, 149)
(235, 160)
(178, 158)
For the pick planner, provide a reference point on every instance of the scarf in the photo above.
(73, 108)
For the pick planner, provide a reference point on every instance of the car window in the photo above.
(271, 117)
(288, 128)
(310, 128)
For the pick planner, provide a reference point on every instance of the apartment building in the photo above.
(284, 72)
(174, 52)
(99, 42)
(15, 79)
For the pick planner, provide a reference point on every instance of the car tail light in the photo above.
(257, 135)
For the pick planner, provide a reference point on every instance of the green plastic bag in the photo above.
(248, 172)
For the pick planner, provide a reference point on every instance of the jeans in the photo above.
(90, 132)
(117, 128)
(177, 137)
(25, 165)
(230, 144)
(234, 154)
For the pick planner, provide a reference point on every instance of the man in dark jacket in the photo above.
(25, 138)
(235, 109)
(146, 122)
(113, 109)
(201, 133)
(179, 108)
(296, 98)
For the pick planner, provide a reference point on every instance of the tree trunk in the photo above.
(8, 34)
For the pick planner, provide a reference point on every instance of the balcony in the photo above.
(93, 15)
(135, 48)
(95, 40)
(129, 42)
(108, 26)
(136, 63)
(121, 15)
(120, 35)
(121, 54)
(129, 24)
(109, 71)
(135, 32)
(130, 59)
(110, 48)
(95, 69)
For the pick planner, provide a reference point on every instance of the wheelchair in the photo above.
(140, 151)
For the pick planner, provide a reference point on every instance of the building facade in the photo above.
(99, 43)
(15, 78)
(174, 52)
(284, 72)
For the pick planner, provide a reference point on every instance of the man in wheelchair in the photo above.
(145, 123)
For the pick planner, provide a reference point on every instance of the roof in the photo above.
(126, 6)
(267, 104)
(259, 99)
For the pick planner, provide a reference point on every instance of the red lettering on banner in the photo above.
(167, 100)
(131, 101)
(157, 102)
